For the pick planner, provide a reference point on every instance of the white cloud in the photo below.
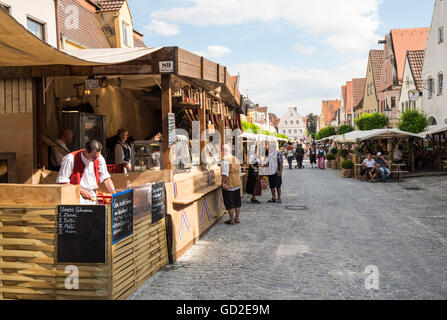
(282, 87)
(344, 25)
(306, 50)
(163, 28)
(214, 52)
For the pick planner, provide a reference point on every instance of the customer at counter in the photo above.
(123, 151)
(87, 168)
(231, 184)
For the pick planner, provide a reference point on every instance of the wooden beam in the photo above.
(202, 120)
(166, 107)
(222, 126)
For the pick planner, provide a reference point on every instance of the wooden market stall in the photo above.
(433, 148)
(145, 90)
(359, 143)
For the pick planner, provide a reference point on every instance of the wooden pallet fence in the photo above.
(28, 251)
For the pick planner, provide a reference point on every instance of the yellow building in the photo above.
(372, 84)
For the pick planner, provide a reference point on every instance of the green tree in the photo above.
(325, 132)
(345, 128)
(413, 121)
(311, 124)
(371, 121)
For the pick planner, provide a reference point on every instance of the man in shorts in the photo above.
(231, 184)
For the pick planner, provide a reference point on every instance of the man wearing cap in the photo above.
(382, 167)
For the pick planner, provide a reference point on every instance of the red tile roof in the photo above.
(405, 40)
(328, 109)
(89, 34)
(416, 61)
(358, 90)
(110, 5)
(376, 57)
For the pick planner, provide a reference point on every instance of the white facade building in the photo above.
(293, 125)
(434, 101)
(412, 80)
(38, 16)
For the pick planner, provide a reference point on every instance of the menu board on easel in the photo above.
(81, 234)
(158, 201)
(122, 215)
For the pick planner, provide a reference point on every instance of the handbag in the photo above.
(264, 184)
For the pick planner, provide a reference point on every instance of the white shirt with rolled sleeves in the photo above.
(225, 166)
(88, 181)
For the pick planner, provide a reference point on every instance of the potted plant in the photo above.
(347, 169)
(331, 161)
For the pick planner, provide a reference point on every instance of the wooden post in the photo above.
(166, 108)
(202, 120)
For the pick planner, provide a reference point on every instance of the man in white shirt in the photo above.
(87, 168)
(56, 157)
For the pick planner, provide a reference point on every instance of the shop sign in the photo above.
(166, 66)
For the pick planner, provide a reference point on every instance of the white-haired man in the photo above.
(231, 184)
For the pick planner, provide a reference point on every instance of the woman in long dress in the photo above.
(253, 170)
(321, 155)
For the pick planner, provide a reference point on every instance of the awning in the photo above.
(434, 130)
(19, 47)
(357, 136)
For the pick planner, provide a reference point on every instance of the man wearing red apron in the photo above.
(87, 168)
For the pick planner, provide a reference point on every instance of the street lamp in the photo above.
(388, 115)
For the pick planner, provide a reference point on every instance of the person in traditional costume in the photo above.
(321, 155)
(253, 186)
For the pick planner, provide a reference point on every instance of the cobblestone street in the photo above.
(320, 251)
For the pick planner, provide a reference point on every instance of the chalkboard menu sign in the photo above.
(122, 215)
(158, 201)
(81, 234)
(172, 133)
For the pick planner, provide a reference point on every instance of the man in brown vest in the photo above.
(231, 184)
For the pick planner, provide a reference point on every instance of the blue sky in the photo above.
(288, 52)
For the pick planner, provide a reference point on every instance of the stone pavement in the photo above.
(321, 252)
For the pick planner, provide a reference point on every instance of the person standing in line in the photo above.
(290, 151)
(275, 164)
(321, 155)
(231, 184)
(253, 169)
(313, 156)
(299, 155)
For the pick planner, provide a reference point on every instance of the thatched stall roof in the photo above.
(357, 136)
(434, 130)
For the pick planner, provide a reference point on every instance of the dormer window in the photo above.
(6, 7)
(126, 35)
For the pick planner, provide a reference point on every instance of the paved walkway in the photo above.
(322, 252)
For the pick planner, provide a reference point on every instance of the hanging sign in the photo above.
(413, 95)
(172, 133)
(166, 66)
